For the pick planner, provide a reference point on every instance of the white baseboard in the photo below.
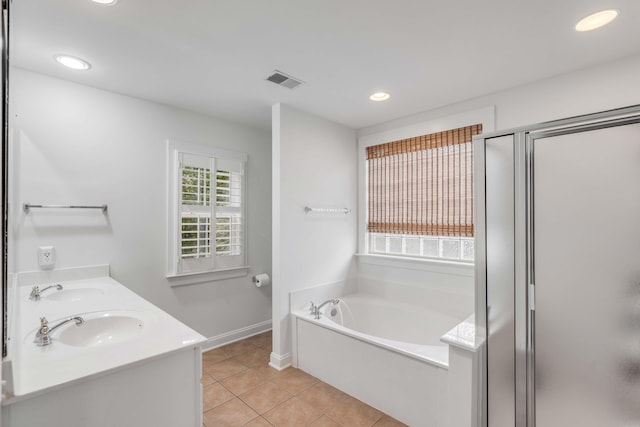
(280, 362)
(237, 335)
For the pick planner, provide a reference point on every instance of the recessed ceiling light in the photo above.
(380, 96)
(72, 62)
(597, 20)
(105, 2)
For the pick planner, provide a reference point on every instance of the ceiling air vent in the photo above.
(281, 79)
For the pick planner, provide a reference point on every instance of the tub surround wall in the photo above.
(464, 381)
(313, 165)
(444, 286)
(300, 298)
(73, 144)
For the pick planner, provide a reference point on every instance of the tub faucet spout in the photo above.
(315, 309)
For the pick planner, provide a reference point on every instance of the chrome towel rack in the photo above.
(28, 206)
(307, 209)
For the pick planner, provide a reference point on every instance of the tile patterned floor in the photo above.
(240, 389)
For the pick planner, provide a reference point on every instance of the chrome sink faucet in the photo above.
(315, 309)
(36, 291)
(42, 336)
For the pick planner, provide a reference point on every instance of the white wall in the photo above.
(73, 144)
(608, 86)
(314, 164)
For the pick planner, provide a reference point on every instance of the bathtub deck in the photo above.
(239, 388)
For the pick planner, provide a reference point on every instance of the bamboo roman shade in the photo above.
(423, 185)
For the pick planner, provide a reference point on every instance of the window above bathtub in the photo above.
(448, 248)
(206, 230)
(417, 190)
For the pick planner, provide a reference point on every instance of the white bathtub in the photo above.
(386, 354)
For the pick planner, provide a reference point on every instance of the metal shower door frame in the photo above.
(524, 263)
(525, 305)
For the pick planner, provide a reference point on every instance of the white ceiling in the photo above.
(212, 56)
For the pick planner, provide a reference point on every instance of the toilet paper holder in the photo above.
(261, 280)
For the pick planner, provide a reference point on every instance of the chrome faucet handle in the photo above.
(42, 336)
(312, 308)
(316, 308)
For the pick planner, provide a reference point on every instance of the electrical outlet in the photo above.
(46, 257)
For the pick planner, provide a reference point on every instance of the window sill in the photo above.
(439, 266)
(206, 276)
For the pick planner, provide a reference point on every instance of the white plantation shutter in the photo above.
(229, 232)
(205, 244)
(195, 235)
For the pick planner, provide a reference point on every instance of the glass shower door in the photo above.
(586, 275)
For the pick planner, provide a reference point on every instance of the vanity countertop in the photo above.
(120, 329)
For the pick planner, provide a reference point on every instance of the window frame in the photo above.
(384, 134)
(208, 271)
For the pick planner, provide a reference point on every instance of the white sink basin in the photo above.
(98, 331)
(71, 295)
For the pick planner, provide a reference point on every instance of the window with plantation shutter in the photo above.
(420, 199)
(209, 211)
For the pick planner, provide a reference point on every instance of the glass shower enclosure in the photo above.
(559, 272)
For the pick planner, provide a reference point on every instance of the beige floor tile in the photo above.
(354, 413)
(258, 422)
(243, 381)
(233, 413)
(268, 372)
(264, 397)
(238, 347)
(256, 357)
(206, 363)
(216, 355)
(324, 421)
(387, 421)
(214, 395)
(294, 412)
(261, 340)
(224, 369)
(322, 396)
(294, 380)
(206, 379)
